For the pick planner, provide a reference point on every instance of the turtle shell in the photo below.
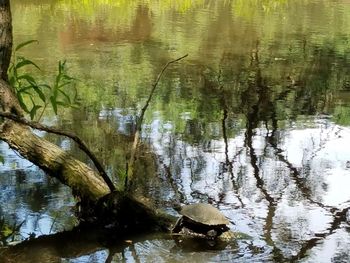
(204, 214)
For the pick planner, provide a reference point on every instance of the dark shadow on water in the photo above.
(105, 245)
(193, 244)
(76, 243)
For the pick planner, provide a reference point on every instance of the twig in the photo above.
(143, 110)
(81, 144)
(130, 164)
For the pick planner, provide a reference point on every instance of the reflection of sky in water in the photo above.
(125, 119)
(322, 147)
(12, 160)
(29, 196)
(320, 154)
(99, 256)
(327, 152)
(332, 248)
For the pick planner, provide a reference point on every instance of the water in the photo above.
(254, 121)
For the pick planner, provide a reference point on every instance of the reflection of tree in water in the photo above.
(263, 102)
(263, 110)
(268, 110)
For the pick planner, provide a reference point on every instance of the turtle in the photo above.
(202, 219)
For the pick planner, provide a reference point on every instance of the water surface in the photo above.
(255, 121)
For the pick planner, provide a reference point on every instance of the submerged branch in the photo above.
(81, 144)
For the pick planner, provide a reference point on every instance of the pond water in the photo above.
(256, 120)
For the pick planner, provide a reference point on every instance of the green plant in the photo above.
(8, 232)
(34, 96)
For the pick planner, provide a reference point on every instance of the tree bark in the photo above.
(5, 37)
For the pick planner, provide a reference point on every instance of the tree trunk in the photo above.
(5, 37)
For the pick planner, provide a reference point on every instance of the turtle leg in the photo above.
(178, 225)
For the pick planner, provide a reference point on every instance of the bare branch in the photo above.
(130, 163)
(139, 123)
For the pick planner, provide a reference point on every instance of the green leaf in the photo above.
(55, 93)
(28, 78)
(54, 104)
(40, 93)
(64, 84)
(65, 95)
(62, 103)
(21, 102)
(23, 44)
(61, 67)
(25, 89)
(2, 159)
(12, 81)
(26, 86)
(34, 110)
(69, 78)
(11, 67)
(25, 62)
(57, 81)
(31, 98)
(6, 231)
(45, 86)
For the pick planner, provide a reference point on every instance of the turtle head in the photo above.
(212, 234)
